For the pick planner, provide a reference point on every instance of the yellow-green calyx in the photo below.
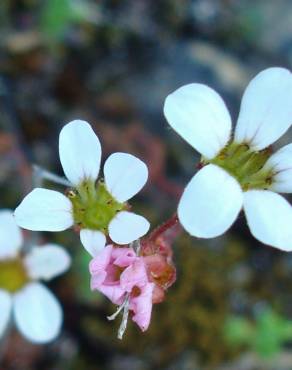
(13, 275)
(245, 165)
(93, 206)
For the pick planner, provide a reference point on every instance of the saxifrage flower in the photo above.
(239, 170)
(118, 273)
(97, 208)
(37, 313)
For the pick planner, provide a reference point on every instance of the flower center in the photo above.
(113, 274)
(93, 206)
(13, 275)
(245, 165)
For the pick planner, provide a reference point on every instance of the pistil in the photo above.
(13, 275)
(93, 206)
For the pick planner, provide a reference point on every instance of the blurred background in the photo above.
(112, 63)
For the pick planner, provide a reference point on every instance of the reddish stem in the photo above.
(170, 223)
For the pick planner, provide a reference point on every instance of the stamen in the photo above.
(124, 322)
(136, 245)
(115, 314)
(125, 308)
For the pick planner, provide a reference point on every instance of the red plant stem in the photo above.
(170, 223)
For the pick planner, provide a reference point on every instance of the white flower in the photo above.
(238, 171)
(98, 209)
(36, 311)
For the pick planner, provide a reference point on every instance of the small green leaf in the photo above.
(55, 18)
(266, 336)
(238, 331)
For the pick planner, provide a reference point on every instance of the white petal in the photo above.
(44, 210)
(125, 175)
(199, 115)
(80, 152)
(269, 217)
(210, 202)
(280, 164)
(126, 227)
(10, 235)
(266, 109)
(5, 309)
(47, 261)
(38, 314)
(93, 241)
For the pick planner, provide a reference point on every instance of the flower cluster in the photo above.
(37, 313)
(134, 280)
(239, 170)
(120, 274)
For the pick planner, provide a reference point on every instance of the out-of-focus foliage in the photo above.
(112, 62)
(266, 336)
(57, 16)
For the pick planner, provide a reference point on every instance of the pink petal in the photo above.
(158, 295)
(100, 262)
(96, 281)
(142, 306)
(113, 292)
(123, 257)
(98, 265)
(105, 271)
(134, 275)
